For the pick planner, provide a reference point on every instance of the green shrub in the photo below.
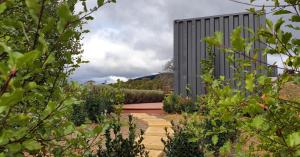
(196, 136)
(101, 99)
(211, 126)
(78, 114)
(170, 102)
(177, 104)
(142, 96)
(180, 144)
(120, 146)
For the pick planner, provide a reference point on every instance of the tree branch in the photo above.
(4, 87)
(36, 36)
(257, 5)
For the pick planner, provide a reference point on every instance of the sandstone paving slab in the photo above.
(158, 131)
(158, 122)
(153, 142)
(156, 153)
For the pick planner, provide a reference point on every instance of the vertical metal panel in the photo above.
(217, 50)
(221, 53)
(226, 41)
(231, 65)
(252, 26)
(198, 56)
(262, 46)
(183, 59)
(190, 67)
(176, 58)
(190, 48)
(194, 60)
(203, 50)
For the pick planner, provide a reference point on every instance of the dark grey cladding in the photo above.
(190, 49)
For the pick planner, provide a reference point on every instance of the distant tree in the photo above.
(169, 66)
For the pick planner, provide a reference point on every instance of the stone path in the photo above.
(154, 133)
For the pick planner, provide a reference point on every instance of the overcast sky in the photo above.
(135, 37)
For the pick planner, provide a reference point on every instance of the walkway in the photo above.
(154, 133)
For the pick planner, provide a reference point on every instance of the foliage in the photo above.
(169, 66)
(39, 48)
(118, 146)
(79, 115)
(142, 96)
(177, 104)
(180, 143)
(100, 100)
(250, 109)
(162, 81)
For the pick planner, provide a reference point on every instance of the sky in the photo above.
(134, 38)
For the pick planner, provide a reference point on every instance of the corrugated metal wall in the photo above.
(190, 49)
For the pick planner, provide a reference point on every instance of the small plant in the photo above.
(78, 115)
(177, 104)
(100, 100)
(181, 143)
(118, 146)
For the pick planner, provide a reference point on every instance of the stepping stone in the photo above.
(153, 142)
(156, 153)
(157, 131)
(158, 122)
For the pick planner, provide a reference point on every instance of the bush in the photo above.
(180, 144)
(195, 136)
(209, 127)
(101, 99)
(78, 115)
(142, 96)
(177, 104)
(120, 146)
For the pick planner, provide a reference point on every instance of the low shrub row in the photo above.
(195, 137)
(176, 104)
(96, 100)
(133, 96)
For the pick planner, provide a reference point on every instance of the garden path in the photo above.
(154, 133)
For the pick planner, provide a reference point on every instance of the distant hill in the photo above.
(161, 81)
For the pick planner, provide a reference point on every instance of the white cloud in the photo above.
(135, 37)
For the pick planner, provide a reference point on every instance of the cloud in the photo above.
(135, 37)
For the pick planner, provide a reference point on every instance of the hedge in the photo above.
(133, 96)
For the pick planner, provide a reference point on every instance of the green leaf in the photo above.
(295, 18)
(269, 24)
(215, 139)
(50, 59)
(237, 41)
(32, 145)
(27, 58)
(14, 148)
(278, 24)
(65, 15)
(257, 122)
(2, 7)
(286, 37)
(216, 40)
(296, 42)
(50, 107)
(34, 8)
(100, 2)
(250, 82)
(9, 99)
(261, 80)
(293, 139)
(280, 12)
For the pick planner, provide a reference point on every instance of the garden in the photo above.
(43, 113)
